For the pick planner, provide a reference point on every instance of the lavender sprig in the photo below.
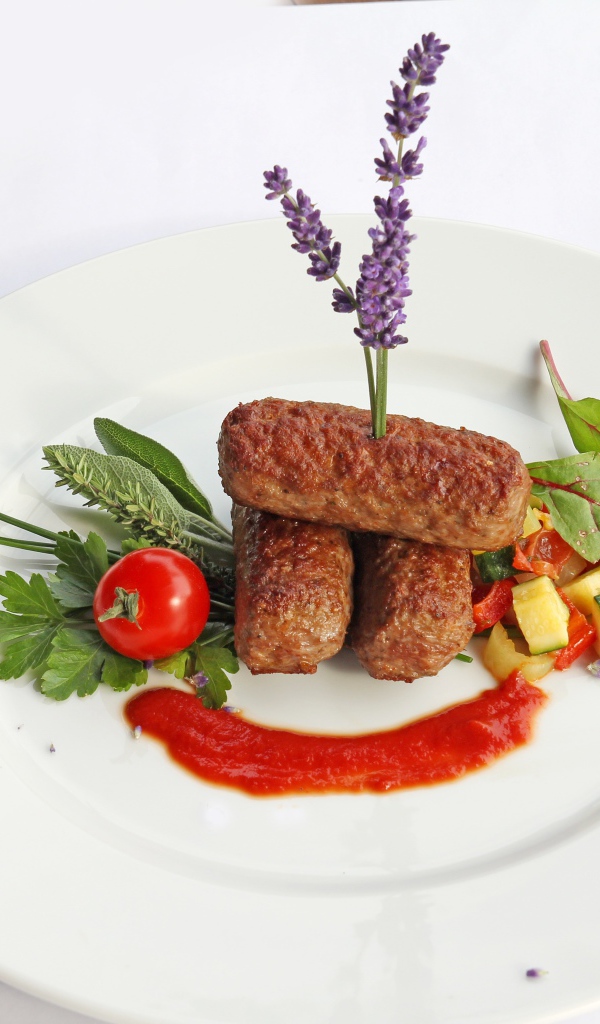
(304, 221)
(383, 284)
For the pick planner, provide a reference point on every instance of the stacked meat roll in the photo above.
(312, 471)
(293, 591)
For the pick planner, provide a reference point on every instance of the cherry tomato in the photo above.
(169, 612)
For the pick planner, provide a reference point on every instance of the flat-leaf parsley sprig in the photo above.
(383, 285)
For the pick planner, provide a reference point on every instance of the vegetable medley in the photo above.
(537, 601)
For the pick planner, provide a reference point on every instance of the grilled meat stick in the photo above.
(412, 606)
(293, 591)
(316, 461)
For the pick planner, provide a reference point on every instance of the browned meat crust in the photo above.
(318, 462)
(413, 609)
(293, 591)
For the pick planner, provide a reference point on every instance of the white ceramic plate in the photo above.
(134, 892)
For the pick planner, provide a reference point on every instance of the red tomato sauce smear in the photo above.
(225, 748)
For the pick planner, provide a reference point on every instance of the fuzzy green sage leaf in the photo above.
(119, 440)
(135, 497)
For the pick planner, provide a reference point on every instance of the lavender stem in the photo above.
(380, 417)
(371, 383)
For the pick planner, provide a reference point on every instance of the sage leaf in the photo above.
(570, 488)
(137, 499)
(582, 417)
(119, 440)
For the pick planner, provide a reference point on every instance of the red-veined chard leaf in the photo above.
(570, 489)
(582, 417)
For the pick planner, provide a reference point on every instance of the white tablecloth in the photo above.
(125, 120)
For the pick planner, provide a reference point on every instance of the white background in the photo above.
(129, 120)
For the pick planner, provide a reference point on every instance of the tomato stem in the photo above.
(125, 606)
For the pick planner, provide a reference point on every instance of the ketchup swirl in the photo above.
(229, 750)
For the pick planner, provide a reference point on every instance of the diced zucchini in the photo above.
(531, 524)
(501, 658)
(495, 565)
(583, 590)
(542, 615)
(596, 622)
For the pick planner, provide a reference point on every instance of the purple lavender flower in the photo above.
(383, 286)
(277, 182)
(425, 59)
(343, 302)
(411, 168)
(388, 168)
(409, 110)
(200, 680)
(535, 972)
(304, 221)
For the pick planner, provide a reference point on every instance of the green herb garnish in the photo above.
(47, 625)
(119, 440)
(582, 417)
(570, 487)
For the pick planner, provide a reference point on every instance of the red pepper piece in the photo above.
(581, 636)
(548, 546)
(520, 562)
(541, 568)
(543, 553)
(488, 609)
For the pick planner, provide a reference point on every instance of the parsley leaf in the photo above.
(122, 673)
(80, 660)
(178, 665)
(82, 565)
(29, 597)
(214, 663)
(213, 657)
(27, 644)
(75, 664)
